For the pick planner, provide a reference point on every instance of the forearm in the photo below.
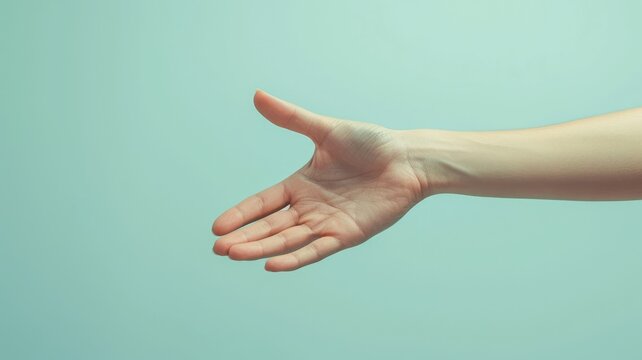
(598, 158)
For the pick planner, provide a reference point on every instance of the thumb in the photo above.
(292, 117)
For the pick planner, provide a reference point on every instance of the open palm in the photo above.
(357, 183)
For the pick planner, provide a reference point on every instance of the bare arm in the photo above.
(362, 178)
(598, 158)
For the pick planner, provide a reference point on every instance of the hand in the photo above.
(358, 182)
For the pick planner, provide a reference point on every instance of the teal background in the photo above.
(126, 127)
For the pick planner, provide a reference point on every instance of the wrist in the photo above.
(430, 153)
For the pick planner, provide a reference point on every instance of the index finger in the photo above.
(253, 208)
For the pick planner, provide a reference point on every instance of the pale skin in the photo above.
(362, 178)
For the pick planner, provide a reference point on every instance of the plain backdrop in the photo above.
(126, 127)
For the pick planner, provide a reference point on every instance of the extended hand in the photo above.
(358, 182)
